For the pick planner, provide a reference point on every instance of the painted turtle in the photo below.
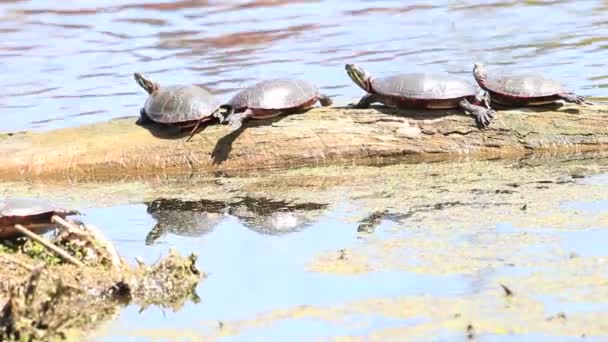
(420, 90)
(523, 89)
(32, 213)
(272, 98)
(185, 106)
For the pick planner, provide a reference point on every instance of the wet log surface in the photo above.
(322, 136)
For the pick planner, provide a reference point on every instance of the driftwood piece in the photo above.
(322, 136)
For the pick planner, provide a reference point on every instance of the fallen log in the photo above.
(321, 136)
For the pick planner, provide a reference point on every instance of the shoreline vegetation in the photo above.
(65, 286)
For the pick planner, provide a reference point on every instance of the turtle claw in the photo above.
(483, 117)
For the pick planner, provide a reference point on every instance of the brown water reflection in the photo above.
(66, 58)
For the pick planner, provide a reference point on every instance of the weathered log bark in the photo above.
(321, 136)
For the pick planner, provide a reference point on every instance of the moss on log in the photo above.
(321, 136)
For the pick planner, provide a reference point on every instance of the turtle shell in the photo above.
(32, 213)
(178, 103)
(421, 86)
(22, 207)
(527, 85)
(275, 94)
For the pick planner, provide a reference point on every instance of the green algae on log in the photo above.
(322, 136)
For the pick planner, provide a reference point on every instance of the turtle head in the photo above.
(479, 71)
(146, 83)
(361, 77)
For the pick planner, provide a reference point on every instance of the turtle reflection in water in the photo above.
(270, 217)
(184, 218)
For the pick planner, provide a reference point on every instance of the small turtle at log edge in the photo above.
(271, 98)
(523, 89)
(184, 106)
(421, 90)
(33, 213)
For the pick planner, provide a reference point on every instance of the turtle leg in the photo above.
(365, 101)
(235, 121)
(154, 234)
(573, 98)
(325, 100)
(217, 114)
(143, 118)
(223, 113)
(483, 97)
(483, 116)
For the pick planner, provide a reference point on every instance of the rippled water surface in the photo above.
(67, 63)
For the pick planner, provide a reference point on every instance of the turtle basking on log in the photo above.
(271, 98)
(185, 106)
(523, 89)
(422, 90)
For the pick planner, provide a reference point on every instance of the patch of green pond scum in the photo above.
(44, 298)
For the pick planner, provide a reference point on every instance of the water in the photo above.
(71, 63)
(359, 253)
(293, 263)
